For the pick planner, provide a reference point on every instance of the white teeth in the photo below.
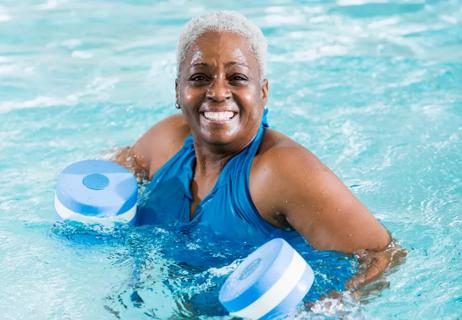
(224, 115)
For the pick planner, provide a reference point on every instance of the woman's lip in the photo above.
(233, 111)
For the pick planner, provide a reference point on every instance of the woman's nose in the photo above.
(218, 90)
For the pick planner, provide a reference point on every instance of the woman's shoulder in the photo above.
(163, 140)
(276, 146)
(280, 157)
(281, 163)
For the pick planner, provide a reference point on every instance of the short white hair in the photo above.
(223, 21)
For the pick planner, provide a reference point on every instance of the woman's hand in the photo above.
(126, 158)
(373, 263)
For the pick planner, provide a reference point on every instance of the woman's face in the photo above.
(220, 92)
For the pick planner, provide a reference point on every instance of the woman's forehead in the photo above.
(221, 47)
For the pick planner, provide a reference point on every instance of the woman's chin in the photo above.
(222, 133)
(219, 137)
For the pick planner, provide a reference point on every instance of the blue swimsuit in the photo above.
(228, 210)
(229, 213)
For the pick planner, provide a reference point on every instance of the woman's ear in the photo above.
(264, 91)
(177, 95)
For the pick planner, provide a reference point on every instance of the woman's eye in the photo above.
(239, 77)
(198, 77)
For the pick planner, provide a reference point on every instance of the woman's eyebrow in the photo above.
(232, 63)
(199, 64)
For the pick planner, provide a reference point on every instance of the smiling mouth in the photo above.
(220, 116)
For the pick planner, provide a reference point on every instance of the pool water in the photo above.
(373, 88)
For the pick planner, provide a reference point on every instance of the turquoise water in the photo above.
(373, 88)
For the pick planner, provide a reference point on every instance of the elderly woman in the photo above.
(217, 164)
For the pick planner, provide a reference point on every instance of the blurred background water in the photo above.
(373, 88)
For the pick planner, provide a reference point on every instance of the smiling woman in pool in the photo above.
(218, 165)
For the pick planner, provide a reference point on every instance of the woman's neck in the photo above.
(210, 163)
(210, 160)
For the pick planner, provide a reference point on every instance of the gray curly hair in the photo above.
(220, 21)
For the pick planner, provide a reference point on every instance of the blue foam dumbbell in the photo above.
(96, 191)
(270, 282)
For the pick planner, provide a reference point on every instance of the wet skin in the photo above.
(289, 186)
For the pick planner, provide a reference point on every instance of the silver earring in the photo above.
(177, 105)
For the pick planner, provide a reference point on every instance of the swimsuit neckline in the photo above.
(220, 180)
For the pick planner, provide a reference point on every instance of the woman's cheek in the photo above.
(250, 99)
(191, 95)
(186, 96)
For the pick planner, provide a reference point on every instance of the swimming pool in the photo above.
(373, 88)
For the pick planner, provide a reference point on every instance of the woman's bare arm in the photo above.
(290, 181)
